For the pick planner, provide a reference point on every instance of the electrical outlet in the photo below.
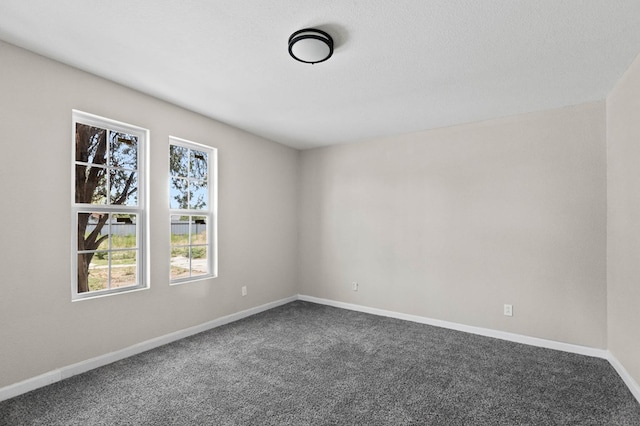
(354, 285)
(508, 310)
(244, 290)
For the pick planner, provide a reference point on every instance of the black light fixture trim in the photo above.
(310, 33)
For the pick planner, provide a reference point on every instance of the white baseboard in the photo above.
(99, 361)
(512, 337)
(81, 367)
(633, 386)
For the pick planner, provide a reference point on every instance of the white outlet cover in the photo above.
(508, 310)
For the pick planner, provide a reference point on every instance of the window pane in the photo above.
(91, 185)
(199, 261)
(179, 230)
(124, 150)
(91, 144)
(123, 231)
(98, 275)
(84, 228)
(199, 230)
(199, 165)
(180, 263)
(178, 193)
(180, 254)
(124, 188)
(100, 259)
(91, 228)
(178, 161)
(199, 195)
(103, 242)
(123, 268)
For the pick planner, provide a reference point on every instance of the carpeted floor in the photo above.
(307, 364)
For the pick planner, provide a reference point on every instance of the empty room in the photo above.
(306, 213)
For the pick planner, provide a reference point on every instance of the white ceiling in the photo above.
(398, 67)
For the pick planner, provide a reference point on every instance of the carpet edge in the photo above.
(628, 380)
(633, 386)
(65, 372)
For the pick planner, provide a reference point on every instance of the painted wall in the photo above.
(623, 231)
(453, 223)
(448, 224)
(40, 328)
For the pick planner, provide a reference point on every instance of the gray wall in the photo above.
(623, 232)
(453, 223)
(40, 328)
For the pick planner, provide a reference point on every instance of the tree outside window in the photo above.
(107, 208)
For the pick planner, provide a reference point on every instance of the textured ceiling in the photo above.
(398, 67)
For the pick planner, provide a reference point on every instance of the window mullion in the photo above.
(124, 256)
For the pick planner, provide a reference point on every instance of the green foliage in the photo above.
(96, 283)
(179, 251)
(123, 241)
(180, 245)
(179, 239)
(198, 252)
(189, 170)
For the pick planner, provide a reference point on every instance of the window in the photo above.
(192, 206)
(108, 206)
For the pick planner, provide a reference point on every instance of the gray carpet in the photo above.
(307, 364)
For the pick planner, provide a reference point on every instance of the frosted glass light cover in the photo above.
(310, 46)
(310, 50)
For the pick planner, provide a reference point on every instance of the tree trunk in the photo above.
(83, 272)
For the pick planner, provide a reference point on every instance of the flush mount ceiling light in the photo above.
(310, 46)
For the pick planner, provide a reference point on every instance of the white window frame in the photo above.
(211, 213)
(140, 210)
